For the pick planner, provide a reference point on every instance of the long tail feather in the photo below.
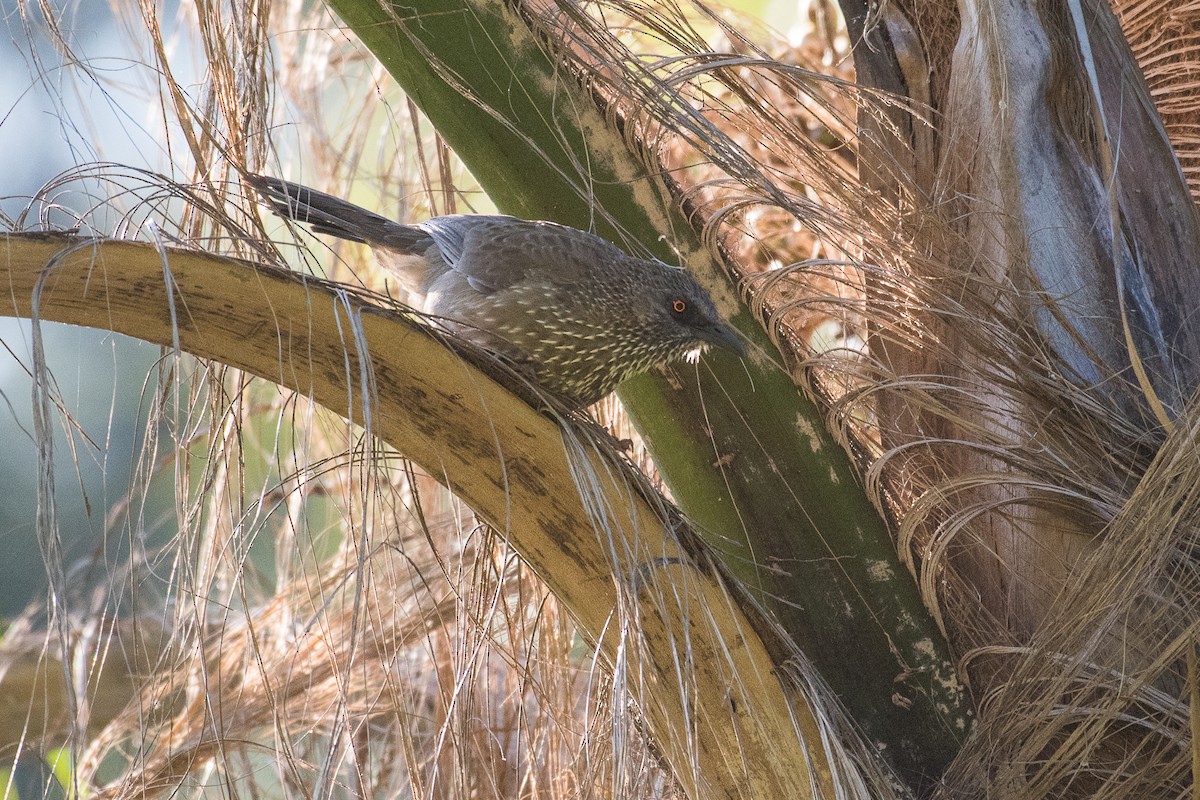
(336, 217)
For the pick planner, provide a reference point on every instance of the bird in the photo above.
(578, 312)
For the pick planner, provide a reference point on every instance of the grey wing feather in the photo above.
(496, 252)
(457, 235)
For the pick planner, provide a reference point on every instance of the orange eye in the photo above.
(679, 306)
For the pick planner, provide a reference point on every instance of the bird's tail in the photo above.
(334, 216)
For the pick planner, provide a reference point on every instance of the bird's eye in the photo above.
(678, 306)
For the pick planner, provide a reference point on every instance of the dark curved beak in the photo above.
(722, 335)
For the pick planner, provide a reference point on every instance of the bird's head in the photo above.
(687, 314)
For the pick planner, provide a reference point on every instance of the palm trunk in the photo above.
(1058, 219)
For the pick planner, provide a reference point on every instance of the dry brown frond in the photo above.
(1097, 703)
(1165, 39)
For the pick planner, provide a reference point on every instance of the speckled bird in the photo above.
(579, 312)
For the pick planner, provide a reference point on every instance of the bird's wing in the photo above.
(495, 252)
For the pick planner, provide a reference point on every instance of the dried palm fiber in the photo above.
(778, 107)
(962, 248)
(761, 237)
(1079, 717)
(1027, 426)
(1165, 39)
(416, 666)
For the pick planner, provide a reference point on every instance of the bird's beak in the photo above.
(722, 335)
